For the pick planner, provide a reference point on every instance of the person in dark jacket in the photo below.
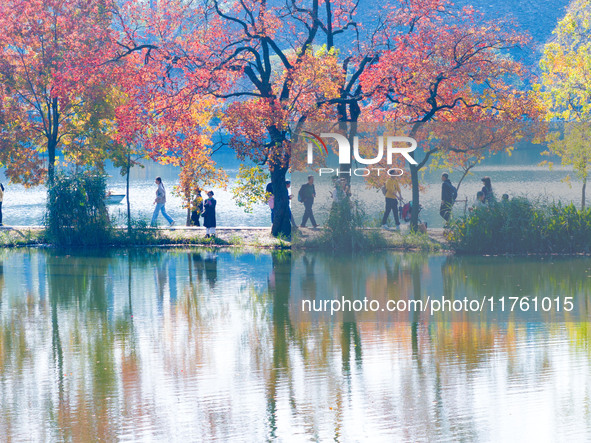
(209, 215)
(196, 209)
(448, 196)
(487, 190)
(307, 194)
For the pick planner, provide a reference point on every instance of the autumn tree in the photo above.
(477, 135)
(50, 71)
(127, 149)
(571, 141)
(16, 153)
(283, 79)
(415, 61)
(166, 112)
(256, 58)
(360, 40)
(451, 59)
(565, 87)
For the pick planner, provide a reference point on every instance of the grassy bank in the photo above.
(19, 238)
(36, 236)
(366, 240)
(345, 230)
(258, 238)
(521, 226)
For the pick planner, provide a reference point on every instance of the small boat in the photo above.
(114, 199)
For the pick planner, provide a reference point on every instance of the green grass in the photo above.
(523, 226)
(369, 239)
(414, 241)
(146, 237)
(12, 238)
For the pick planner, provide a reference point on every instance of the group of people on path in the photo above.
(449, 194)
(306, 195)
(392, 194)
(205, 209)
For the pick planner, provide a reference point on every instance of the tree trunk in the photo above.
(350, 131)
(51, 146)
(53, 115)
(583, 193)
(414, 213)
(414, 178)
(282, 219)
(127, 193)
(466, 171)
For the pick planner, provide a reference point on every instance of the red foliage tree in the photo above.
(50, 69)
(256, 65)
(255, 58)
(451, 60)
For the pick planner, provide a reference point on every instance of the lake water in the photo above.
(203, 345)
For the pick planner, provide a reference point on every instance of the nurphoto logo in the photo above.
(392, 145)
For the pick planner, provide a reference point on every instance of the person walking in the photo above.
(487, 190)
(306, 195)
(392, 193)
(160, 203)
(196, 209)
(209, 220)
(449, 194)
(1, 200)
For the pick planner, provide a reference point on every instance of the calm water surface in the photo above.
(198, 345)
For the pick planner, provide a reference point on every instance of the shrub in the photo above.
(344, 231)
(76, 213)
(522, 226)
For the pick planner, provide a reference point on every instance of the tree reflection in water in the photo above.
(214, 345)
